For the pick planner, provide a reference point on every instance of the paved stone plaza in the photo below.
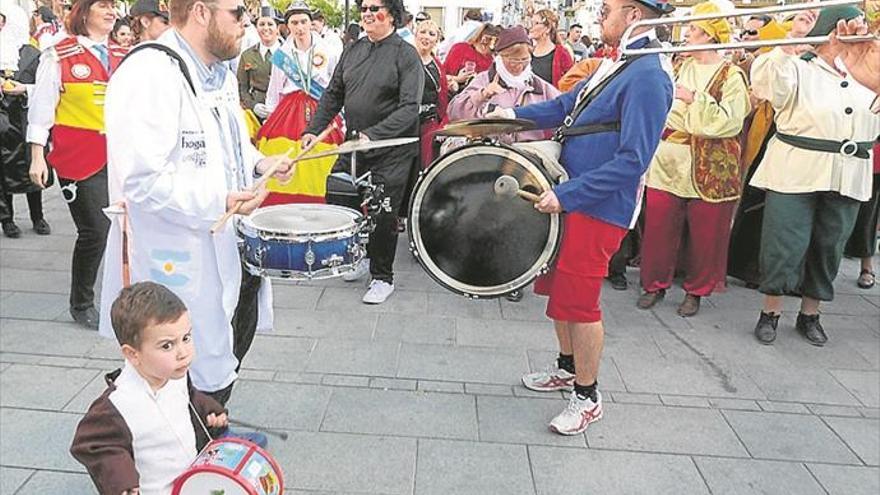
(421, 395)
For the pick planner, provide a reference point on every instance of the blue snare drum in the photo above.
(302, 241)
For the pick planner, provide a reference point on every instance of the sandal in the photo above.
(866, 279)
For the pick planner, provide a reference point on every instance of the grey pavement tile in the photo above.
(563, 471)
(82, 400)
(531, 308)
(47, 338)
(416, 281)
(825, 410)
(791, 437)
(435, 386)
(38, 281)
(395, 412)
(41, 387)
(740, 404)
(735, 476)
(12, 478)
(393, 383)
(684, 400)
(468, 468)
(409, 302)
(520, 391)
(256, 375)
(870, 412)
(837, 353)
(658, 429)
(522, 421)
(861, 435)
(782, 382)
(64, 361)
(279, 405)
(14, 357)
(865, 385)
(42, 439)
(340, 324)
(462, 364)
(686, 375)
(847, 480)
(278, 353)
(305, 378)
(353, 357)
(289, 296)
(346, 381)
(484, 389)
(105, 349)
(847, 304)
(505, 333)
(455, 306)
(785, 407)
(34, 306)
(34, 260)
(60, 245)
(627, 398)
(43, 482)
(422, 330)
(341, 463)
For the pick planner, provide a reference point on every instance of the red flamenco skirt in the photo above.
(427, 134)
(281, 133)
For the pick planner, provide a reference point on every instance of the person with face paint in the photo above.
(179, 158)
(301, 69)
(379, 80)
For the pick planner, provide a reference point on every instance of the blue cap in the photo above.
(661, 6)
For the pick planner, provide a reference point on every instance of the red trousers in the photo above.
(708, 229)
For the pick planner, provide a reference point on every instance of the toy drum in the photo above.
(231, 466)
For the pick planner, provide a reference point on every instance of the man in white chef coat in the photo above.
(178, 158)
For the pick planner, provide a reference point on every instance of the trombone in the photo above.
(734, 45)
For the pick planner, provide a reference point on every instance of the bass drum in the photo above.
(472, 240)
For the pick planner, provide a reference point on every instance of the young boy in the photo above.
(143, 431)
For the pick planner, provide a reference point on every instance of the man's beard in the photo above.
(222, 45)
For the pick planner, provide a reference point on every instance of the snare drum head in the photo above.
(301, 219)
(473, 240)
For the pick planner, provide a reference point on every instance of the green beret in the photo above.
(829, 16)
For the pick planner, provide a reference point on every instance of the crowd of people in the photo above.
(761, 164)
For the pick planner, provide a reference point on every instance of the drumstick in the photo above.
(268, 174)
(278, 433)
(534, 198)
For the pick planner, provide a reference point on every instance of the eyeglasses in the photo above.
(371, 8)
(606, 10)
(237, 13)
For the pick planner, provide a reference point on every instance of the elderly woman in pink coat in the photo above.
(508, 83)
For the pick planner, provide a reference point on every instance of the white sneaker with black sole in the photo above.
(378, 292)
(361, 269)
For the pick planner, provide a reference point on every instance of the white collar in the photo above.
(88, 42)
(650, 35)
(264, 48)
(131, 377)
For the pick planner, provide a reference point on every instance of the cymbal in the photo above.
(358, 145)
(486, 127)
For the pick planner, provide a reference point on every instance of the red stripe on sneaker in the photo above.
(588, 417)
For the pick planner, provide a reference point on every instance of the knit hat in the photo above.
(829, 16)
(512, 36)
(717, 29)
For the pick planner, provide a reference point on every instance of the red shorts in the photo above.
(575, 281)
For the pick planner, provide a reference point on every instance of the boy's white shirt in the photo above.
(163, 438)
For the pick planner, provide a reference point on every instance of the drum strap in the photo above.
(171, 53)
(567, 130)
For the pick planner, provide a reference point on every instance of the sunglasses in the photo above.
(237, 13)
(372, 8)
(750, 32)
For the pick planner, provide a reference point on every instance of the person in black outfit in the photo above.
(379, 80)
(15, 154)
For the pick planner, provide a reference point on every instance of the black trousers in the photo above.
(91, 236)
(862, 242)
(244, 320)
(35, 206)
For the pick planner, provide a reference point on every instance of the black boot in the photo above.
(41, 227)
(811, 329)
(765, 330)
(11, 230)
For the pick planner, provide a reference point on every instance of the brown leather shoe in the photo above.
(649, 299)
(690, 306)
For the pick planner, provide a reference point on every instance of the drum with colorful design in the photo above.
(231, 466)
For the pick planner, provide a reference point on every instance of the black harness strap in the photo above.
(171, 53)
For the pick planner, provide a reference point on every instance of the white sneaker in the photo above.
(361, 269)
(578, 415)
(549, 380)
(378, 292)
